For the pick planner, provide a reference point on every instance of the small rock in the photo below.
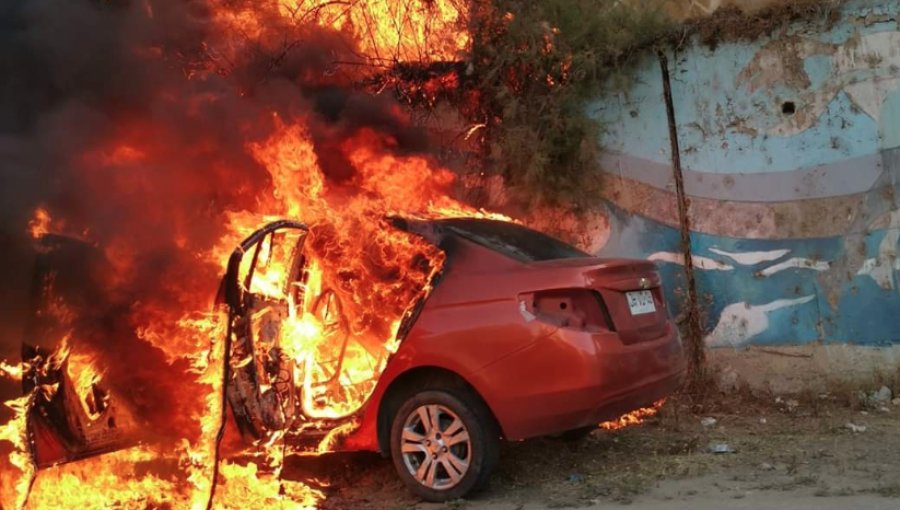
(884, 409)
(720, 448)
(896, 401)
(728, 380)
(883, 394)
(708, 422)
(792, 404)
(855, 428)
(864, 413)
(778, 400)
(763, 421)
(765, 466)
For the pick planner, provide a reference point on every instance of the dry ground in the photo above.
(786, 456)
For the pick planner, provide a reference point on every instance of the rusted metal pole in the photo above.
(695, 348)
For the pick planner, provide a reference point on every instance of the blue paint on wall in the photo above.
(809, 97)
(726, 111)
(864, 312)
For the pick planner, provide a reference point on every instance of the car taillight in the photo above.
(581, 309)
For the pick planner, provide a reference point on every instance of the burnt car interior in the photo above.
(296, 366)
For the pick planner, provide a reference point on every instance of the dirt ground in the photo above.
(787, 454)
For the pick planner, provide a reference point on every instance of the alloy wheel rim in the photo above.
(436, 447)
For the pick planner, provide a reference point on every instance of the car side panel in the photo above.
(573, 379)
(536, 378)
(459, 338)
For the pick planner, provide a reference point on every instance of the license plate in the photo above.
(640, 302)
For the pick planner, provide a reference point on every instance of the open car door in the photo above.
(72, 413)
(295, 363)
(262, 282)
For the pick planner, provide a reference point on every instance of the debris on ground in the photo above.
(854, 427)
(720, 448)
(708, 422)
(883, 395)
(765, 466)
(790, 405)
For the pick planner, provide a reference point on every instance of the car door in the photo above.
(264, 281)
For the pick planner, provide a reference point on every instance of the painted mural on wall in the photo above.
(791, 155)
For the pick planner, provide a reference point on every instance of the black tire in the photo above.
(483, 434)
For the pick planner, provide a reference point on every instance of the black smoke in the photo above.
(82, 78)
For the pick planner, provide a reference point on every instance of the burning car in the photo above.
(513, 335)
(516, 335)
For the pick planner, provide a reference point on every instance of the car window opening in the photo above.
(512, 240)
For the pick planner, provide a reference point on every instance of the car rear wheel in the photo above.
(444, 444)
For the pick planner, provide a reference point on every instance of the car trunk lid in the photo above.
(631, 291)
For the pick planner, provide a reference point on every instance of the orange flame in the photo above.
(40, 223)
(635, 417)
(13, 372)
(99, 482)
(360, 277)
(19, 459)
(387, 30)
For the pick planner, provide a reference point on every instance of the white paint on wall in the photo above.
(796, 263)
(870, 95)
(883, 276)
(866, 69)
(740, 322)
(881, 269)
(751, 258)
(699, 261)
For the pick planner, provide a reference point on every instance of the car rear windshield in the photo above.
(513, 240)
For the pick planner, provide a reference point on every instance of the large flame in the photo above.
(392, 31)
(361, 275)
(19, 474)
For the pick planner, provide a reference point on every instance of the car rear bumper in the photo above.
(576, 379)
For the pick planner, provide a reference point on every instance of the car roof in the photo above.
(507, 238)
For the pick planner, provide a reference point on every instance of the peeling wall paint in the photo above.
(791, 151)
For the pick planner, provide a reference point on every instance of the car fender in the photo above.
(405, 360)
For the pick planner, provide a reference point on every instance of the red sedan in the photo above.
(522, 336)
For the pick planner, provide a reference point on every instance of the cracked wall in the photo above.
(791, 154)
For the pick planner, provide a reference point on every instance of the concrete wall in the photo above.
(791, 154)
